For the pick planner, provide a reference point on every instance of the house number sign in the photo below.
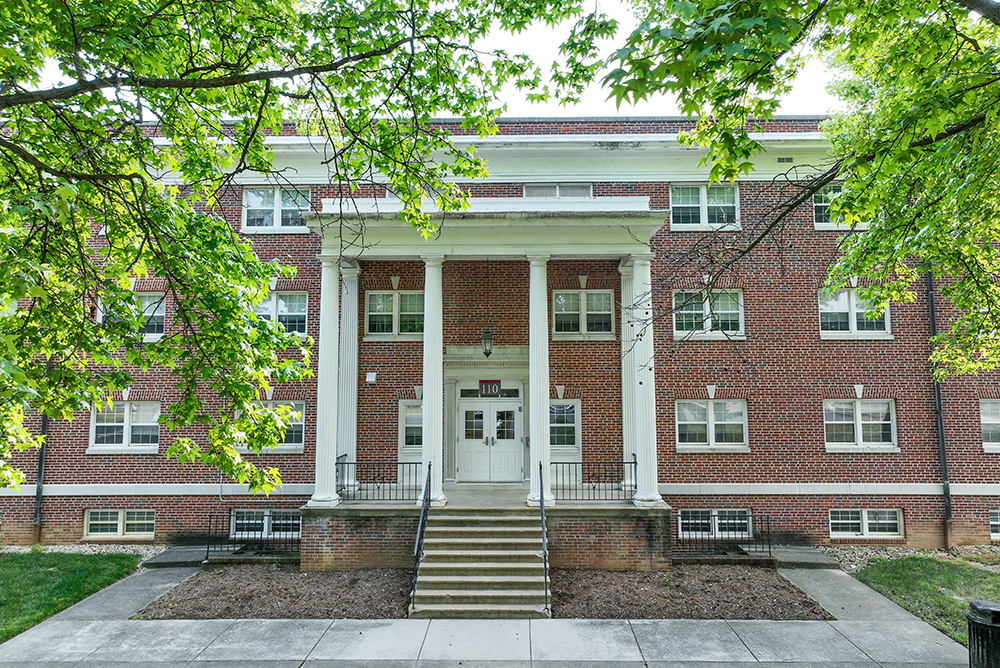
(489, 388)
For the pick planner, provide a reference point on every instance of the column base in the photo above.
(326, 501)
(436, 501)
(651, 501)
(533, 501)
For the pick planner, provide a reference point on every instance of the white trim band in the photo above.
(825, 488)
(165, 489)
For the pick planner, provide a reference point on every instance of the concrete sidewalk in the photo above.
(870, 631)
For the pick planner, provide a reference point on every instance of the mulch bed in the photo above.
(684, 592)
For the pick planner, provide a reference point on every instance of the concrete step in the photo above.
(463, 531)
(483, 521)
(477, 611)
(491, 556)
(478, 569)
(463, 580)
(481, 544)
(480, 597)
(507, 513)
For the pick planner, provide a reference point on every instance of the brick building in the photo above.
(767, 396)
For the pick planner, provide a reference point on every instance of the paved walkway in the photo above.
(870, 631)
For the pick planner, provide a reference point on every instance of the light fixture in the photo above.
(487, 340)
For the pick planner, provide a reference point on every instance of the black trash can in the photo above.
(984, 634)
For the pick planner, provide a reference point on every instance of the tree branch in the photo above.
(32, 159)
(988, 9)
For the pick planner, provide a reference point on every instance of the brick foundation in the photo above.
(347, 537)
(611, 538)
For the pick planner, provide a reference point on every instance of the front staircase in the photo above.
(481, 562)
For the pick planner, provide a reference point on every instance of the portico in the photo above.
(504, 433)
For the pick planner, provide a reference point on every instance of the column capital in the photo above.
(329, 260)
(639, 258)
(625, 267)
(539, 259)
(432, 260)
(350, 268)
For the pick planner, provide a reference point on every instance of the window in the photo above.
(866, 523)
(844, 315)
(264, 523)
(821, 206)
(126, 426)
(153, 305)
(411, 431)
(564, 430)
(111, 523)
(582, 312)
(288, 308)
(853, 425)
(702, 315)
(557, 190)
(989, 418)
(995, 524)
(274, 209)
(294, 439)
(715, 524)
(712, 425)
(395, 315)
(703, 207)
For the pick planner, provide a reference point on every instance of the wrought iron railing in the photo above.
(378, 481)
(593, 481)
(732, 533)
(258, 533)
(545, 536)
(418, 544)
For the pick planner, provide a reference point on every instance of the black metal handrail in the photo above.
(545, 536)
(257, 532)
(378, 481)
(732, 533)
(418, 545)
(593, 481)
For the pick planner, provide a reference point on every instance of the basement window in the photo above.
(117, 523)
(863, 523)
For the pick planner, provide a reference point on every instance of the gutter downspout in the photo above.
(939, 414)
(40, 477)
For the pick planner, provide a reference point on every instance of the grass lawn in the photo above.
(934, 589)
(36, 585)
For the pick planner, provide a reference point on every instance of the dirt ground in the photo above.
(684, 592)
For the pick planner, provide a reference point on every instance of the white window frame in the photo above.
(283, 448)
(409, 453)
(714, 520)
(122, 522)
(711, 446)
(271, 303)
(126, 447)
(703, 225)
(558, 190)
(583, 334)
(395, 334)
(983, 403)
(267, 526)
(859, 445)
(161, 309)
(275, 227)
(854, 310)
(831, 226)
(866, 520)
(995, 524)
(706, 333)
(564, 453)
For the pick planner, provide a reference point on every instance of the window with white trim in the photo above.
(865, 523)
(822, 215)
(126, 426)
(564, 430)
(154, 311)
(859, 424)
(715, 523)
(264, 523)
(293, 440)
(112, 523)
(290, 309)
(711, 425)
(582, 313)
(557, 190)
(704, 207)
(844, 314)
(989, 419)
(395, 314)
(411, 430)
(708, 315)
(995, 524)
(274, 209)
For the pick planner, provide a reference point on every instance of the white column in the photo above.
(347, 426)
(538, 379)
(626, 327)
(325, 493)
(433, 383)
(646, 493)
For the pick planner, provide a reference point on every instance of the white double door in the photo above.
(490, 444)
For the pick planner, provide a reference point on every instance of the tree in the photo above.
(98, 100)
(915, 152)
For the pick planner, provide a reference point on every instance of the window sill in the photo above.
(992, 448)
(276, 230)
(859, 536)
(564, 336)
(722, 449)
(839, 227)
(701, 227)
(856, 336)
(708, 336)
(123, 450)
(393, 337)
(841, 448)
(118, 537)
(151, 338)
(277, 450)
